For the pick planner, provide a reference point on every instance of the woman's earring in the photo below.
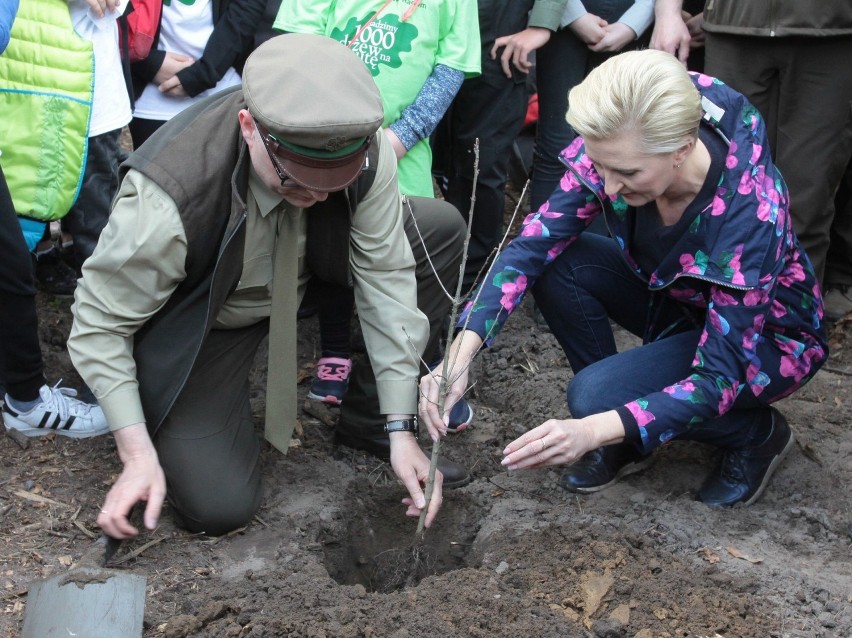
(677, 165)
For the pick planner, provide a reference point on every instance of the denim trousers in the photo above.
(590, 284)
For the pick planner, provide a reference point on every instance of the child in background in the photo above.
(110, 114)
(200, 49)
(30, 406)
(418, 54)
(592, 31)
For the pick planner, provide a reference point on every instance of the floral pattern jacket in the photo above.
(739, 264)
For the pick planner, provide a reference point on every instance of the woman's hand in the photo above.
(459, 357)
(142, 479)
(562, 441)
(430, 394)
(411, 466)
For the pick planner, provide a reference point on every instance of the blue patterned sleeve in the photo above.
(545, 234)
(421, 117)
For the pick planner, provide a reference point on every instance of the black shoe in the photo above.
(53, 275)
(743, 473)
(377, 443)
(603, 467)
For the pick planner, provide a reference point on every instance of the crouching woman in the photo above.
(701, 263)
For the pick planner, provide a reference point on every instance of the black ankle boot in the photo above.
(603, 467)
(743, 473)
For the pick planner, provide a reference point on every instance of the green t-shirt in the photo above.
(400, 44)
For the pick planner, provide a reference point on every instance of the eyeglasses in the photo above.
(267, 140)
(272, 145)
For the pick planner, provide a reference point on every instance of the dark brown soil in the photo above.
(512, 554)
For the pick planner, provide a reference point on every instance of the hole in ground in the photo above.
(374, 543)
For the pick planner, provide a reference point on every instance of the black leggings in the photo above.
(21, 367)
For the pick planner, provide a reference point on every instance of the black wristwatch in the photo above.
(403, 425)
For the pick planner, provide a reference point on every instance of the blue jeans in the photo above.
(589, 284)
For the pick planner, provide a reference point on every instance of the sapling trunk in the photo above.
(405, 567)
(457, 300)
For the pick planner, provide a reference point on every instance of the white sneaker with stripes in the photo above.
(57, 412)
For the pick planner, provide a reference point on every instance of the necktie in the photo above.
(281, 373)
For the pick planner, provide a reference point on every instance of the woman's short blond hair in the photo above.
(646, 91)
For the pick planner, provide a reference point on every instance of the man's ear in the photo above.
(247, 127)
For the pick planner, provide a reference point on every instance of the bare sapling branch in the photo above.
(443, 377)
(450, 363)
(444, 383)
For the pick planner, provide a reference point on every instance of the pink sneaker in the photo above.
(331, 380)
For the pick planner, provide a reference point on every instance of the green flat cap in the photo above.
(310, 91)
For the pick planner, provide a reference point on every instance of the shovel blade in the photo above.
(87, 602)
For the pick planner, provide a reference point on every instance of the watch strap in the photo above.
(403, 425)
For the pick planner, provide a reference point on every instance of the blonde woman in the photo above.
(702, 263)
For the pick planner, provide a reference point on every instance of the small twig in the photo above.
(38, 498)
(18, 593)
(379, 472)
(51, 532)
(832, 370)
(531, 365)
(215, 540)
(22, 440)
(30, 527)
(444, 384)
(84, 529)
(136, 552)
